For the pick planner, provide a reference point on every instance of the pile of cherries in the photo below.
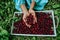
(43, 26)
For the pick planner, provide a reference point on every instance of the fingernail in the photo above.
(36, 21)
(29, 26)
(33, 22)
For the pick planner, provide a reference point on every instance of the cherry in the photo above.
(43, 26)
(30, 19)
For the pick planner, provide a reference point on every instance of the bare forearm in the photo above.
(32, 4)
(24, 9)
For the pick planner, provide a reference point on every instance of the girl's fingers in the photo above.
(28, 25)
(34, 16)
(35, 20)
(24, 19)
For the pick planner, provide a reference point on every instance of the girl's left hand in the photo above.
(34, 16)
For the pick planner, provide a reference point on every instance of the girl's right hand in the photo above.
(25, 19)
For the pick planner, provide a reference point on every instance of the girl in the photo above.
(29, 7)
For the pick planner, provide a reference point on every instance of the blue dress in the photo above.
(38, 6)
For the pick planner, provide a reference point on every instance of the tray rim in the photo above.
(54, 27)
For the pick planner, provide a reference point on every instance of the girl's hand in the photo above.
(34, 16)
(24, 19)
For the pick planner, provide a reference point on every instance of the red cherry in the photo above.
(43, 25)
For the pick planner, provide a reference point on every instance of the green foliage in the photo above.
(7, 10)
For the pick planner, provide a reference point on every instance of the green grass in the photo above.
(7, 10)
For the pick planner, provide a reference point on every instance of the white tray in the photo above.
(54, 28)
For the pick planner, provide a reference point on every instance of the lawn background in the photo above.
(7, 10)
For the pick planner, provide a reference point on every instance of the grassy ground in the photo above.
(7, 10)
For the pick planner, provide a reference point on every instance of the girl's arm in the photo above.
(24, 9)
(32, 4)
(32, 11)
(26, 13)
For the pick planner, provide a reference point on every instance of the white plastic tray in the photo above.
(54, 28)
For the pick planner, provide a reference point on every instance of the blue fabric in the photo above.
(38, 6)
